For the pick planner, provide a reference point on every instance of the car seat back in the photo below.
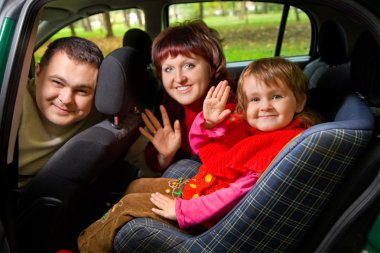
(332, 68)
(360, 192)
(142, 42)
(54, 204)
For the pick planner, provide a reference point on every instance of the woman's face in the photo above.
(186, 79)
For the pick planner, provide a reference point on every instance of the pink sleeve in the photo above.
(199, 136)
(215, 205)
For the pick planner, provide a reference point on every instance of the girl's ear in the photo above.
(301, 104)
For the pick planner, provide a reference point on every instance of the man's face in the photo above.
(65, 89)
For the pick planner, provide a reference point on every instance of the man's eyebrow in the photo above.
(83, 86)
(58, 77)
(76, 86)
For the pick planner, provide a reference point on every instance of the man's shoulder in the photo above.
(92, 119)
(31, 87)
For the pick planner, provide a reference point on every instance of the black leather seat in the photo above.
(142, 42)
(82, 175)
(332, 68)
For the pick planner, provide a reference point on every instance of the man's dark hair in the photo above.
(78, 49)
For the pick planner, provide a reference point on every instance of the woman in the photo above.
(189, 60)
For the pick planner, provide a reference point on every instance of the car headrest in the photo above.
(365, 65)
(139, 40)
(122, 82)
(333, 45)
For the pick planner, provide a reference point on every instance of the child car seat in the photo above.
(283, 206)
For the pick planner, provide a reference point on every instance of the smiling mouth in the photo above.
(267, 116)
(63, 110)
(183, 88)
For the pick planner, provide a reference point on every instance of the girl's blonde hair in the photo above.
(273, 71)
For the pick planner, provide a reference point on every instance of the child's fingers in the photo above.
(221, 89)
(158, 212)
(224, 114)
(210, 92)
(217, 89)
(158, 200)
(226, 94)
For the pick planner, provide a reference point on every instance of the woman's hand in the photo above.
(214, 105)
(165, 206)
(166, 140)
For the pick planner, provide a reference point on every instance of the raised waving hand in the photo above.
(214, 105)
(166, 139)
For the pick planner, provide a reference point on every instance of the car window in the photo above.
(105, 29)
(250, 29)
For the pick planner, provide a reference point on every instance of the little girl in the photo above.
(235, 149)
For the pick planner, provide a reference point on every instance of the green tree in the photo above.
(201, 11)
(72, 29)
(126, 18)
(107, 24)
(297, 14)
(86, 24)
(139, 17)
(243, 9)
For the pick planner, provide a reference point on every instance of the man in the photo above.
(58, 102)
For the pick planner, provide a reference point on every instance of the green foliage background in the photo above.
(249, 38)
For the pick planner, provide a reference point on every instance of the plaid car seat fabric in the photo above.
(278, 211)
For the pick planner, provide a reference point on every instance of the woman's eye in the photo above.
(168, 69)
(189, 66)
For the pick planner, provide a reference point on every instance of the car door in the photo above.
(18, 30)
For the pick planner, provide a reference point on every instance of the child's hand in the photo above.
(166, 206)
(214, 105)
(166, 140)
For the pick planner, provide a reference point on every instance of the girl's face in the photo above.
(270, 107)
(186, 79)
